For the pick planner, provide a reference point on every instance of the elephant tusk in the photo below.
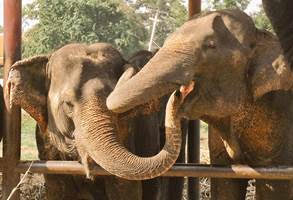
(186, 89)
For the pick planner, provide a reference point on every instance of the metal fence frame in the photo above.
(12, 166)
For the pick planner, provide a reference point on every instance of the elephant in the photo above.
(280, 15)
(65, 92)
(234, 77)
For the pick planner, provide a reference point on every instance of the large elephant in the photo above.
(66, 94)
(234, 77)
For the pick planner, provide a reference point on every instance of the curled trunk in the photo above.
(99, 138)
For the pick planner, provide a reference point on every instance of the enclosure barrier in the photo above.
(178, 170)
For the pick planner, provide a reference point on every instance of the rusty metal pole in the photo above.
(11, 142)
(194, 7)
(193, 145)
(177, 170)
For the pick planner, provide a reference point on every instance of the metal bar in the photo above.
(11, 142)
(194, 7)
(193, 157)
(178, 170)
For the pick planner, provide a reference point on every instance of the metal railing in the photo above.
(178, 170)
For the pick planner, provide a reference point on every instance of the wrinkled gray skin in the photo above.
(241, 89)
(149, 136)
(66, 94)
(147, 133)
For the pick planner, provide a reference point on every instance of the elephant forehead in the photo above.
(97, 85)
(194, 30)
(199, 28)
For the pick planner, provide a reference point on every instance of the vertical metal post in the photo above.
(193, 156)
(194, 7)
(11, 142)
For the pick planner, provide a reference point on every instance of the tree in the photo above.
(172, 14)
(221, 4)
(60, 22)
(260, 19)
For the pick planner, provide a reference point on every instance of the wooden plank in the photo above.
(11, 142)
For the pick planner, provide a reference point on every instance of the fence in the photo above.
(12, 167)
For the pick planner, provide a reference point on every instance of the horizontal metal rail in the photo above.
(178, 170)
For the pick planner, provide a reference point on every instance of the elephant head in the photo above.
(219, 57)
(66, 94)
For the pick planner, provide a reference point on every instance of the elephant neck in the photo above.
(260, 129)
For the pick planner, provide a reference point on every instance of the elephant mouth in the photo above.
(190, 94)
(187, 89)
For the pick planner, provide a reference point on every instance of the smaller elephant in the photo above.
(66, 94)
(234, 77)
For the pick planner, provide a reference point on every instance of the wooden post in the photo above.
(11, 142)
(193, 146)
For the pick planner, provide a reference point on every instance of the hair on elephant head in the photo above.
(226, 57)
(66, 94)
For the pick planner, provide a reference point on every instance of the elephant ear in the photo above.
(270, 71)
(27, 87)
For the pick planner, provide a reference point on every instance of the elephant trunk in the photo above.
(165, 72)
(100, 141)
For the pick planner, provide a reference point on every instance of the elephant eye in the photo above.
(211, 44)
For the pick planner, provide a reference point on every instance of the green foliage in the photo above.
(172, 15)
(1, 72)
(1, 29)
(60, 22)
(28, 141)
(261, 21)
(221, 4)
